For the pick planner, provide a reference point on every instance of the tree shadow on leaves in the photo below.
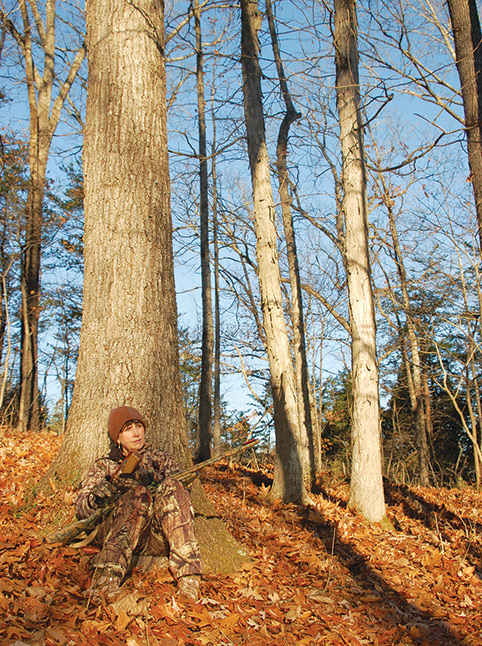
(391, 610)
(447, 527)
(391, 607)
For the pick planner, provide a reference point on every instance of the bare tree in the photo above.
(292, 468)
(296, 302)
(366, 488)
(36, 39)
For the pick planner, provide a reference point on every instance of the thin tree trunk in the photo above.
(473, 423)
(292, 468)
(468, 50)
(4, 379)
(471, 380)
(366, 488)
(427, 403)
(28, 414)
(217, 304)
(478, 396)
(416, 394)
(477, 418)
(299, 341)
(205, 386)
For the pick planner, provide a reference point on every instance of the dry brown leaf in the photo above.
(56, 636)
(135, 641)
(230, 621)
(132, 604)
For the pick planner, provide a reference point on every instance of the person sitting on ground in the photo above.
(142, 522)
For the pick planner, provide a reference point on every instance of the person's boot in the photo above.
(105, 587)
(188, 587)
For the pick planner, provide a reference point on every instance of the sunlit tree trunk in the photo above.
(128, 344)
(366, 488)
(298, 324)
(468, 49)
(292, 468)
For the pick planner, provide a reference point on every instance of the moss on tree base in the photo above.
(220, 552)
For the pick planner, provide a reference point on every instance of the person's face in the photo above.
(132, 436)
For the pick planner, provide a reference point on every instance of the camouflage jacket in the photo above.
(160, 462)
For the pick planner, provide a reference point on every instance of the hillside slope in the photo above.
(317, 575)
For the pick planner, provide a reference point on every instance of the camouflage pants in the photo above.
(155, 525)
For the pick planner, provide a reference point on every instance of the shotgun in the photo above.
(185, 476)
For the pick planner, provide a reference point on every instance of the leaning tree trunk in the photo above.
(468, 50)
(366, 488)
(129, 342)
(297, 317)
(292, 469)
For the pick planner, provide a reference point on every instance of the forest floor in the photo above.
(317, 574)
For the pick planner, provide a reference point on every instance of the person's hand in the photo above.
(103, 491)
(145, 477)
(125, 481)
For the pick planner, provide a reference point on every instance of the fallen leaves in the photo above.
(318, 575)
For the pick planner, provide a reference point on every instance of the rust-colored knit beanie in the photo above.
(120, 416)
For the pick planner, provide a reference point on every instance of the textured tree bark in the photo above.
(366, 487)
(203, 451)
(129, 347)
(468, 50)
(292, 469)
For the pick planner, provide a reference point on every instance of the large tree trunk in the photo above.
(366, 488)
(128, 346)
(292, 469)
(205, 386)
(468, 50)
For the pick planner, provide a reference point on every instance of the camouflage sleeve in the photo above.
(85, 503)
